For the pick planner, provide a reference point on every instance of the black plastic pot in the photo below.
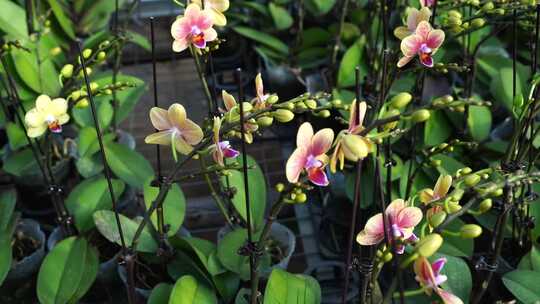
(25, 268)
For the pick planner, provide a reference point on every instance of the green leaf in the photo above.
(6, 255)
(184, 264)
(531, 261)
(139, 40)
(42, 78)
(87, 142)
(319, 7)
(204, 250)
(454, 245)
(262, 38)
(63, 20)
(174, 206)
(97, 14)
(126, 98)
(352, 58)
(106, 224)
(288, 288)
(8, 198)
(437, 129)
(523, 284)
(13, 20)
(479, 122)
(315, 36)
(257, 192)
(20, 163)
(459, 277)
(17, 138)
(282, 19)
(83, 116)
(449, 165)
(227, 252)
(89, 196)
(187, 290)
(160, 294)
(128, 165)
(501, 86)
(67, 271)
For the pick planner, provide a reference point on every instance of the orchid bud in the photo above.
(93, 86)
(455, 14)
(354, 147)
(488, 7)
(280, 187)
(55, 51)
(87, 53)
(457, 194)
(470, 231)
(108, 92)
(83, 103)
(67, 71)
(301, 106)
(436, 219)
(247, 106)
(472, 180)
(265, 121)
(272, 99)
(475, 2)
(435, 162)
(310, 103)
(337, 102)
(324, 114)
(429, 244)
(387, 257)
(289, 105)
(465, 170)
(391, 125)
(300, 198)
(101, 56)
(485, 205)
(454, 21)
(401, 100)
(454, 207)
(283, 115)
(497, 192)
(478, 22)
(420, 116)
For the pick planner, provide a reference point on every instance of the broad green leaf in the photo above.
(288, 288)
(459, 277)
(97, 14)
(187, 290)
(139, 40)
(479, 122)
(282, 19)
(319, 7)
(13, 20)
(6, 255)
(314, 36)
(106, 224)
(128, 165)
(89, 196)
(83, 116)
(62, 18)
(449, 165)
(21, 163)
(160, 294)
(437, 129)
(312, 57)
(501, 87)
(89, 166)
(454, 245)
(16, 136)
(204, 250)
(67, 271)
(41, 77)
(531, 261)
(523, 284)
(8, 198)
(263, 38)
(353, 57)
(174, 206)
(184, 264)
(257, 192)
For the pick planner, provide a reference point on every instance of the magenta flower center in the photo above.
(312, 162)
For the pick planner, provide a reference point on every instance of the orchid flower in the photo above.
(424, 42)
(221, 149)
(427, 3)
(310, 155)
(261, 96)
(194, 28)
(414, 17)
(47, 114)
(444, 182)
(232, 114)
(215, 8)
(403, 219)
(174, 128)
(429, 276)
(349, 144)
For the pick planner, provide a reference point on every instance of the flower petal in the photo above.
(423, 29)
(365, 239)
(412, 18)
(401, 32)
(318, 176)
(220, 5)
(191, 132)
(37, 131)
(411, 45)
(34, 118)
(62, 119)
(444, 182)
(322, 141)
(373, 231)
(395, 208)
(438, 265)
(159, 138)
(58, 106)
(448, 298)
(426, 195)
(180, 29)
(228, 100)
(218, 17)
(177, 115)
(304, 135)
(210, 34)
(181, 145)
(295, 164)
(259, 86)
(409, 217)
(179, 45)
(160, 119)
(43, 102)
(435, 39)
(403, 61)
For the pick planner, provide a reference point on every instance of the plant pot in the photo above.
(107, 269)
(23, 269)
(281, 234)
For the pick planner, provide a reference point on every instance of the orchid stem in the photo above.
(217, 198)
(202, 78)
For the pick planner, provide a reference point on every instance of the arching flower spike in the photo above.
(47, 114)
(310, 155)
(424, 42)
(194, 28)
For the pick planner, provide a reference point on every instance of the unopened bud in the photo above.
(485, 205)
(465, 170)
(470, 231)
(272, 99)
(283, 115)
(455, 14)
(391, 125)
(453, 21)
(87, 53)
(420, 116)
(497, 192)
(337, 102)
(354, 147)
(300, 198)
(435, 162)
(301, 106)
(93, 86)
(387, 257)
(472, 180)
(478, 22)
(436, 219)
(55, 51)
(265, 121)
(401, 100)
(324, 114)
(310, 103)
(67, 71)
(83, 103)
(429, 244)
(488, 6)
(453, 207)
(101, 56)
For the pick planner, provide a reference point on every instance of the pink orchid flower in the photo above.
(174, 128)
(414, 17)
(424, 42)
(427, 3)
(310, 155)
(221, 149)
(403, 219)
(429, 276)
(194, 28)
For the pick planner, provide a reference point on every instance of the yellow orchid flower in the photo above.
(444, 182)
(47, 114)
(215, 8)
(174, 128)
